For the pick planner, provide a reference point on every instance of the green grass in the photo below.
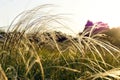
(32, 50)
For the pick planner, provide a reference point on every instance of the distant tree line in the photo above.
(113, 35)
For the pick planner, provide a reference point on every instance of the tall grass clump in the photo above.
(31, 49)
(99, 52)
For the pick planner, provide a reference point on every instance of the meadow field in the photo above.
(32, 49)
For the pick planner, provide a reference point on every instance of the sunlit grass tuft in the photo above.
(2, 74)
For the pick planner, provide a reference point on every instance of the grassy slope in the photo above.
(55, 56)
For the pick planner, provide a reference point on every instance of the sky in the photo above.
(80, 11)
